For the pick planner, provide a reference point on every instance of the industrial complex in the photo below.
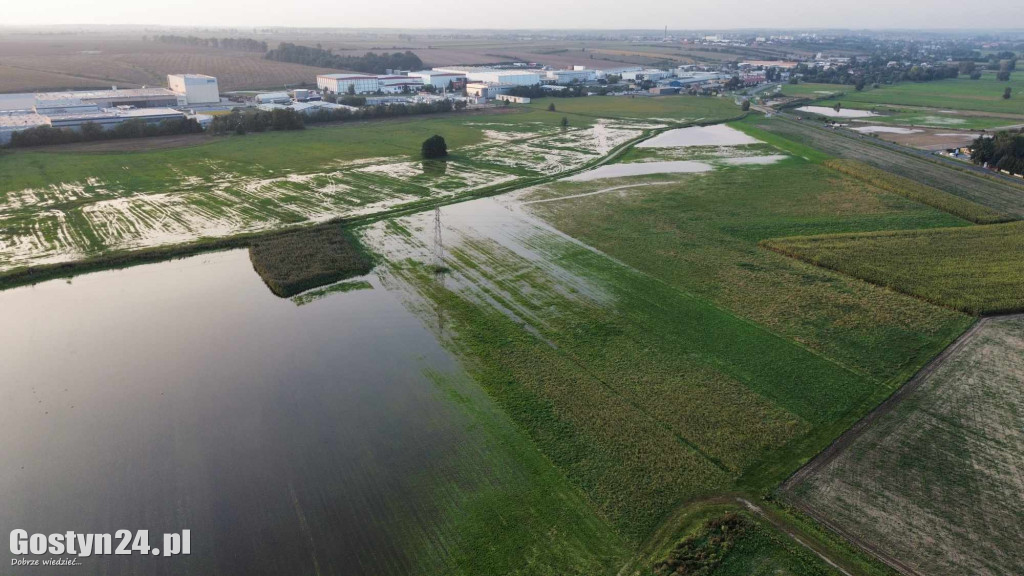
(189, 95)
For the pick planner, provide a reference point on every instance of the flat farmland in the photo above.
(979, 270)
(68, 204)
(53, 63)
(985, 95)
(932, 482)
(1002, 196)
(675, 360)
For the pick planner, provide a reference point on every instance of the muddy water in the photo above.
(183, 395)
(715, 135)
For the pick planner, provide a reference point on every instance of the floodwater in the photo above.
(184, 395)
(885, 129)
(715, 135)
(641, 169)
(843, 112)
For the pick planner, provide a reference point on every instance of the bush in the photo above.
(434, 147)
(294, 262)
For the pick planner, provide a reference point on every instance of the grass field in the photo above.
(979, 270)
(674, 108)
(933, 484)
(682, 360)
(984, 95)
(1002, 196)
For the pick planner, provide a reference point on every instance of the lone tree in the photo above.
(837, 107)
(1007, 93)
(859, 85)
(745, 106)
(565, 122)
(434, 147)
(551, 107)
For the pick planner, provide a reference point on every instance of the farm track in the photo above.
(842, 443)
(993, 190)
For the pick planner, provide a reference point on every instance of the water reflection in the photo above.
(185, 395)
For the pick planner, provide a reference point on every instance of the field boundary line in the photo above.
(842, 443)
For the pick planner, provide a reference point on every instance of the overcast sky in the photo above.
(560, 14)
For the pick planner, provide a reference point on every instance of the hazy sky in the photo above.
(561, 14)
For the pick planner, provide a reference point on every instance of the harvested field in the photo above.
(35, 63)
(932, 481)
(979, 269)
(997, 194)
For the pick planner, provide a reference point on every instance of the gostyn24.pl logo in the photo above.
(123, 542)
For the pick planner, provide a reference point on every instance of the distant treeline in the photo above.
(241, 122)
(90, 132)
(535, 91)
(875, 72)
(240, 44)
(257, 121)
(370, 63)
(1004, 151)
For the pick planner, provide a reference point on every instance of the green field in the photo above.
(984, 95)
(979, 270)
(660, 107)
(682, 360)
(810, 140)
(933, 483)
(930, 118)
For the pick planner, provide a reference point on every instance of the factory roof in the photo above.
(21, 121)
(347, 76)
(99, 94)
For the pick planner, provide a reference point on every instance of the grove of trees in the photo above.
(240, 44)
(370, 63)
(89, 132)
(1004, 151)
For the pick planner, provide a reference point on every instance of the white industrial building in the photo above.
(439, 79)
(651, 74)
(194, 89)
(340, 83)
(273, 98)
(570, 76)
(307, 107)
(496, 76)
(136, 97)
(397, 84)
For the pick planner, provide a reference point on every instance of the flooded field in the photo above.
(715, 135)
(184, 395)
(842, 113)
(640, 169)
(215, 199)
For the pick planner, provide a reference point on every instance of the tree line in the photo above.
(1004, 151)
(369, 63)
(241, 122)
(240, 44)
(90, 132)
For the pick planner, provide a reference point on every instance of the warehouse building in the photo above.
(18, 120)
(273, 98)
(495, 75)
(570, 76)
(194, 89)
(440, 80)
(135, 97)
(341, 83)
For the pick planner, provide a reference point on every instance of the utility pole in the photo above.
(438, 242)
